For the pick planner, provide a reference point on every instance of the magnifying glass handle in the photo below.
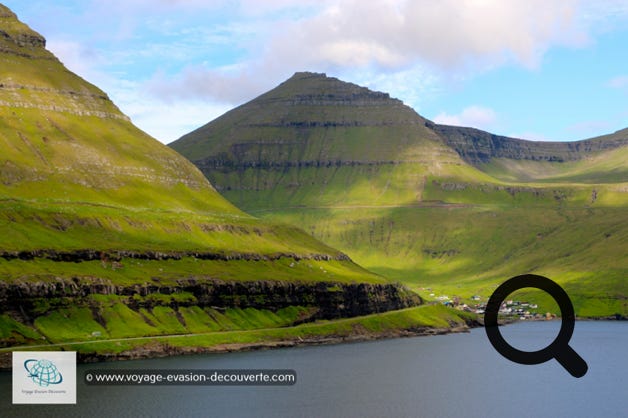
(572, 362)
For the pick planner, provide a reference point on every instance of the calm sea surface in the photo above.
(457, 375)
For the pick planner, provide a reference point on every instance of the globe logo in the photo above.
(43, 372)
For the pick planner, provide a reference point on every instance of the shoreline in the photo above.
(166, 350)
(157, 349)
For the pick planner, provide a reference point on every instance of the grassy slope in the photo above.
(168, 272)
(76, 174)
(601, 167)
(232, 327)
(469, 249)
(428, 219)
(63, 192)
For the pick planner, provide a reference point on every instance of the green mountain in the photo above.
(595, 160)
(454, 210)
(108, 234)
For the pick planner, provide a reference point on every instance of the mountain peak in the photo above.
(307, 74)
(16, 37)
(63, 136)
(320, 89)
(315, 119)
(6, 12)
(31, 77)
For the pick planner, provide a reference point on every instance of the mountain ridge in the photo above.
(453, 209)
(314, 100)
(478, 146)
(314, 92)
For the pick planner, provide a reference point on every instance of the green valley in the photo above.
(446, 210)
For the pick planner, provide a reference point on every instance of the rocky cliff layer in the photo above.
(14, 32)
(77, 256)
(313, 119)
(477, 147)
(23, 298)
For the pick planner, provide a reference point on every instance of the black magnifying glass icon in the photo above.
(559, 348)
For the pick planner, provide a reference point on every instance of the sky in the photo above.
(534, 69)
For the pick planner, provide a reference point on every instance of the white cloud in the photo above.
(74, 55)
(411, 49)
(602, 15)
(413, 85)
(199, 83)
(446, 33)
(619, 82)
(385, 36)
(472, 116)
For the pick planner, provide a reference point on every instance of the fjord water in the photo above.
(457, 375)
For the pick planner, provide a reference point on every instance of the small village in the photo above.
(511, 308)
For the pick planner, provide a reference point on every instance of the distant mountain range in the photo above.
(595, 160)
(453, 209)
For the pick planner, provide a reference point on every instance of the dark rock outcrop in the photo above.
(477, 147)
(78, 256)
(19, 34)
(331, 300)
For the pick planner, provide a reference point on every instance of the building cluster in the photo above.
(511, 308)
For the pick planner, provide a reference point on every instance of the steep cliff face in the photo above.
(328, 300)
(478, 147)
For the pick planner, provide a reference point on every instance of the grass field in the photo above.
(232, 327)
(456, 235)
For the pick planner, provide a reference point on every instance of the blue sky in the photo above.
(536, 69)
